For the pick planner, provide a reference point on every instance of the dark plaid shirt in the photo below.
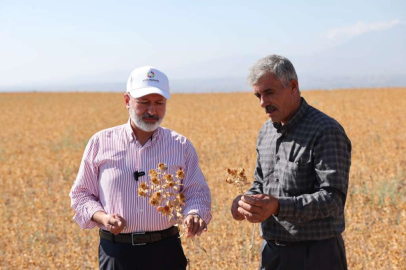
(305, 163)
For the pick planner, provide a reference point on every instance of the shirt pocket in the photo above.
(298, 178)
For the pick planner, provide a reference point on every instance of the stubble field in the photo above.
(43, 136)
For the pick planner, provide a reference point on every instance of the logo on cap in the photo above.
(151, 74)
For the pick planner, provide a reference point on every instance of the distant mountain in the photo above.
(374, 59)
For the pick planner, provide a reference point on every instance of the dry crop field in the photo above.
(43, 136)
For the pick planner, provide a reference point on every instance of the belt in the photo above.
(139, 238)
(291, 244)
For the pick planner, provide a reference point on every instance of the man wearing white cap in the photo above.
(133, 234)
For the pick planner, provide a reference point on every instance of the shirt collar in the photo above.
(156, 134)
(131, 136)
(129, 131)
(296, 119)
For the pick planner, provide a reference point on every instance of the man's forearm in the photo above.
(307, 207)
(100, 217)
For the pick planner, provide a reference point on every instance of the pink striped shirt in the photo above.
(105, 181)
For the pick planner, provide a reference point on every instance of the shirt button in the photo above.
(277, 179)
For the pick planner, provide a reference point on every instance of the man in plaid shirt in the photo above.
(301, 175)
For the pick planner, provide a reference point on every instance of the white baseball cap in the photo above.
(148, 80)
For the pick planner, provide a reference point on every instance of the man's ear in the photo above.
(294, 86)
(127, 100)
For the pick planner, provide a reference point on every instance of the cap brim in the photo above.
(137, 93)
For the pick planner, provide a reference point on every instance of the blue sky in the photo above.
(51, 43)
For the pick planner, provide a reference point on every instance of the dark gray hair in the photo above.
(276, 64)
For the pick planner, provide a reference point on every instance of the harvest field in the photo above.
(43, 136)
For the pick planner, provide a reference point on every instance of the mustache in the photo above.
(147, 115)
(269, 108)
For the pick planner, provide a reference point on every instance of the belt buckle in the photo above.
(132, 239)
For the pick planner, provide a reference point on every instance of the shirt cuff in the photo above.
(286, 207)
(250, 192)
(85, 218)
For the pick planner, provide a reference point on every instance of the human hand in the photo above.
(195, 225)
(234, 209)
(257, 208)
(114, 223)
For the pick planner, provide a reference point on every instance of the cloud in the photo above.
(350, 31)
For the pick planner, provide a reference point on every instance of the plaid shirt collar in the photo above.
(296, 119)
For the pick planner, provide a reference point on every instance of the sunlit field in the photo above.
(43, 136)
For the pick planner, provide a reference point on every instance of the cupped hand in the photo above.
(234, 209)
(195, 225)
(114, 223)
(257, 208)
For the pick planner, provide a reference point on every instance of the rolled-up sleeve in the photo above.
(85, 190)
(196, 190)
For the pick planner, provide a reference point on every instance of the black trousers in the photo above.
(164, 254)
(316, 255)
